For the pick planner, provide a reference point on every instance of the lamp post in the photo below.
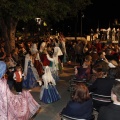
(82, 16)
(23, 33)
(38, 20)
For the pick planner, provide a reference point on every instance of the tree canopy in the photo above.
(11, 11)
(47, 9)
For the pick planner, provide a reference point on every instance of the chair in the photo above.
(100, 100)
(73, 82)
(65, 117)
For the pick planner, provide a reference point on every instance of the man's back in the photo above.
(110, 112)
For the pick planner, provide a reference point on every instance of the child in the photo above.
(17, 76)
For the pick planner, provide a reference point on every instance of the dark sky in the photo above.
(102, 13)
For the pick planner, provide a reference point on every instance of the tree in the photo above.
(11, 11)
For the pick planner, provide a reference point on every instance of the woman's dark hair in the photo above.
(101, 66)
(81, 93)
(97, 68)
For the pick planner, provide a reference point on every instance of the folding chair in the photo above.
(100, 100)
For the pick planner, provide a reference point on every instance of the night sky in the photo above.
(102, 14)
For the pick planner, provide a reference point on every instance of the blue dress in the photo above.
(50, 95)
(30, 81)
(48, 92)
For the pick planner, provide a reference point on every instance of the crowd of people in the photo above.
(96, 85)
(38, 63)
(32, 63)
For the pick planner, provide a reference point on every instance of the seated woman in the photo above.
(83, 72)
(80, 107)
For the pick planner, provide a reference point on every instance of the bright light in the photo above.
(38, 20)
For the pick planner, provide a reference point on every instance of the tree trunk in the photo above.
(8, 27)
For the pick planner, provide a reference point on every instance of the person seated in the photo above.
(101, 87)
(83, 72)
(101, 57)
(80, 107)
(112, 111)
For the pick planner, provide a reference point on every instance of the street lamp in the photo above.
(38, 20)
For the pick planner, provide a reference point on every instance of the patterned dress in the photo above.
(16, 107)
(31, 78)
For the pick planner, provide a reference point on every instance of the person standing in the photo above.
(48, 92)
(15, 107)
(31, 76)
(17, 76)
(36, 58)
(53, 66)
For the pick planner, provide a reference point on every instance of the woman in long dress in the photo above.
(53, 66)
(15, 107)
(37, 61)
(31, 76)
(48, 93)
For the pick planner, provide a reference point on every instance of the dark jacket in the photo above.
(78, 110)
(110, 112)
(101, 86)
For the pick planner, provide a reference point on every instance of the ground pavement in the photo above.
(51, 111)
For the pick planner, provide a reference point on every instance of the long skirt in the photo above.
(38, 67)
(31, 80)
(49, 95)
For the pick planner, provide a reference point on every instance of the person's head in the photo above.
(81, 93)
(97, 68)
(102, 55)
(88, 58)
(100, 69)
(2, 69)
(18, 68)
(112, 72)
(115, 92)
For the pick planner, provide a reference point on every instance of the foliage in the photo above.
(77, 6)
(48, 9)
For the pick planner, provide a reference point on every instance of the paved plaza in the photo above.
(51, 111)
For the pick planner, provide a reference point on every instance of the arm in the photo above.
(25, 66)
(14, 76)
(49, 58)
